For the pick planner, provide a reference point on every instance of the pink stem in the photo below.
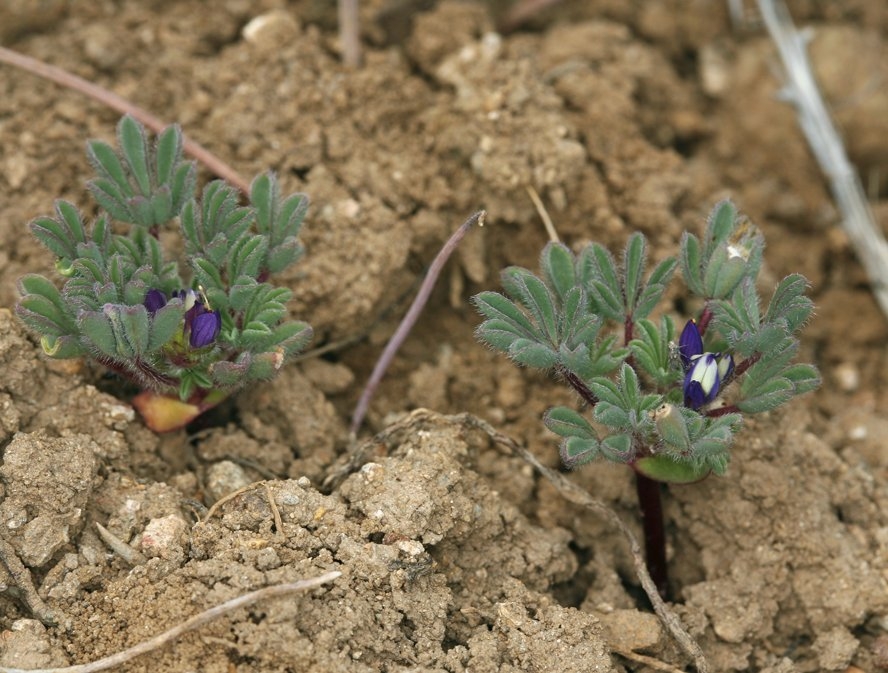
(115, 102)
(391, 348)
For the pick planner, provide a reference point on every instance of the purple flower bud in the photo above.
(155, 300)
(702, 381)
(205, 327)
(690, 343)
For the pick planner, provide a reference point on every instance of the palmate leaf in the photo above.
(557, 265)
(690, 259)
(141, 184)
(789, 303)
(598, 275)
(61, 234)
(624, 294)
(134, 147)
(43, 305)
(651, 350)
(277, 219)
(535, 297)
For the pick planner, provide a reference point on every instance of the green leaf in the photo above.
(598, 275)
(533, 294)
(493, 305)
(617, 448)
(107, 164)
(96, 326)
(557, 266)
(765, 396)
(134, 328)
(653, 291)
(207, 273)
(577, 451)
(183, 185)
(789, 303)
(804, 378)
(165, 324)
(691, 263)
(263, 198)
(134, 146)
(111, 200)
(283, 255)
(633, 271)
(168, 153)
(498, 333)
(668, 470)
(62, 347)
(568, 423)
(533, 354)
(721, 223)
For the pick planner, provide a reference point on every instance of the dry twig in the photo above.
(213, 163)
(801, 89)
(188, 625)
(419, 302)
(349, 33)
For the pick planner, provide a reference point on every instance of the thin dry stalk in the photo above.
(54, 74)
(801, 89)
(419, 302)
(350, 33)
(188, 625)
(544, 214)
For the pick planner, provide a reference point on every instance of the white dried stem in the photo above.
(801, 89)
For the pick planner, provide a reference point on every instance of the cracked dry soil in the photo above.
(455, 557)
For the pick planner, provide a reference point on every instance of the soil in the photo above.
(454, 556)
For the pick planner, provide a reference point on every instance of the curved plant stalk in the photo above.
(409, 320)
(55, 74)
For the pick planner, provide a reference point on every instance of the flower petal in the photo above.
(205, 328)
(690, 343)
(155, 300)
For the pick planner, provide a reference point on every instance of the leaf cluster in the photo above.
(568, 319)
(230, 252)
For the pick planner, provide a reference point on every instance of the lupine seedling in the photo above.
(187, 344)
(665, 402)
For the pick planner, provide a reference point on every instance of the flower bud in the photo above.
(672, 426)
(690, 343)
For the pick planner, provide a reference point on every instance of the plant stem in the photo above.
(579, 387)
(651, 505)
(407, 322)
(115, 102)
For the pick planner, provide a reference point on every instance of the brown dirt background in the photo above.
(623, 116)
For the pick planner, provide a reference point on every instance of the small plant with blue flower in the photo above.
(187, 343)
(666, 403)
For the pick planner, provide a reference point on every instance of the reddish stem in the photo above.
(577, 384)
(705, 319)
(115, 102)
(722, 411)
(742, 366)
(651, 505)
